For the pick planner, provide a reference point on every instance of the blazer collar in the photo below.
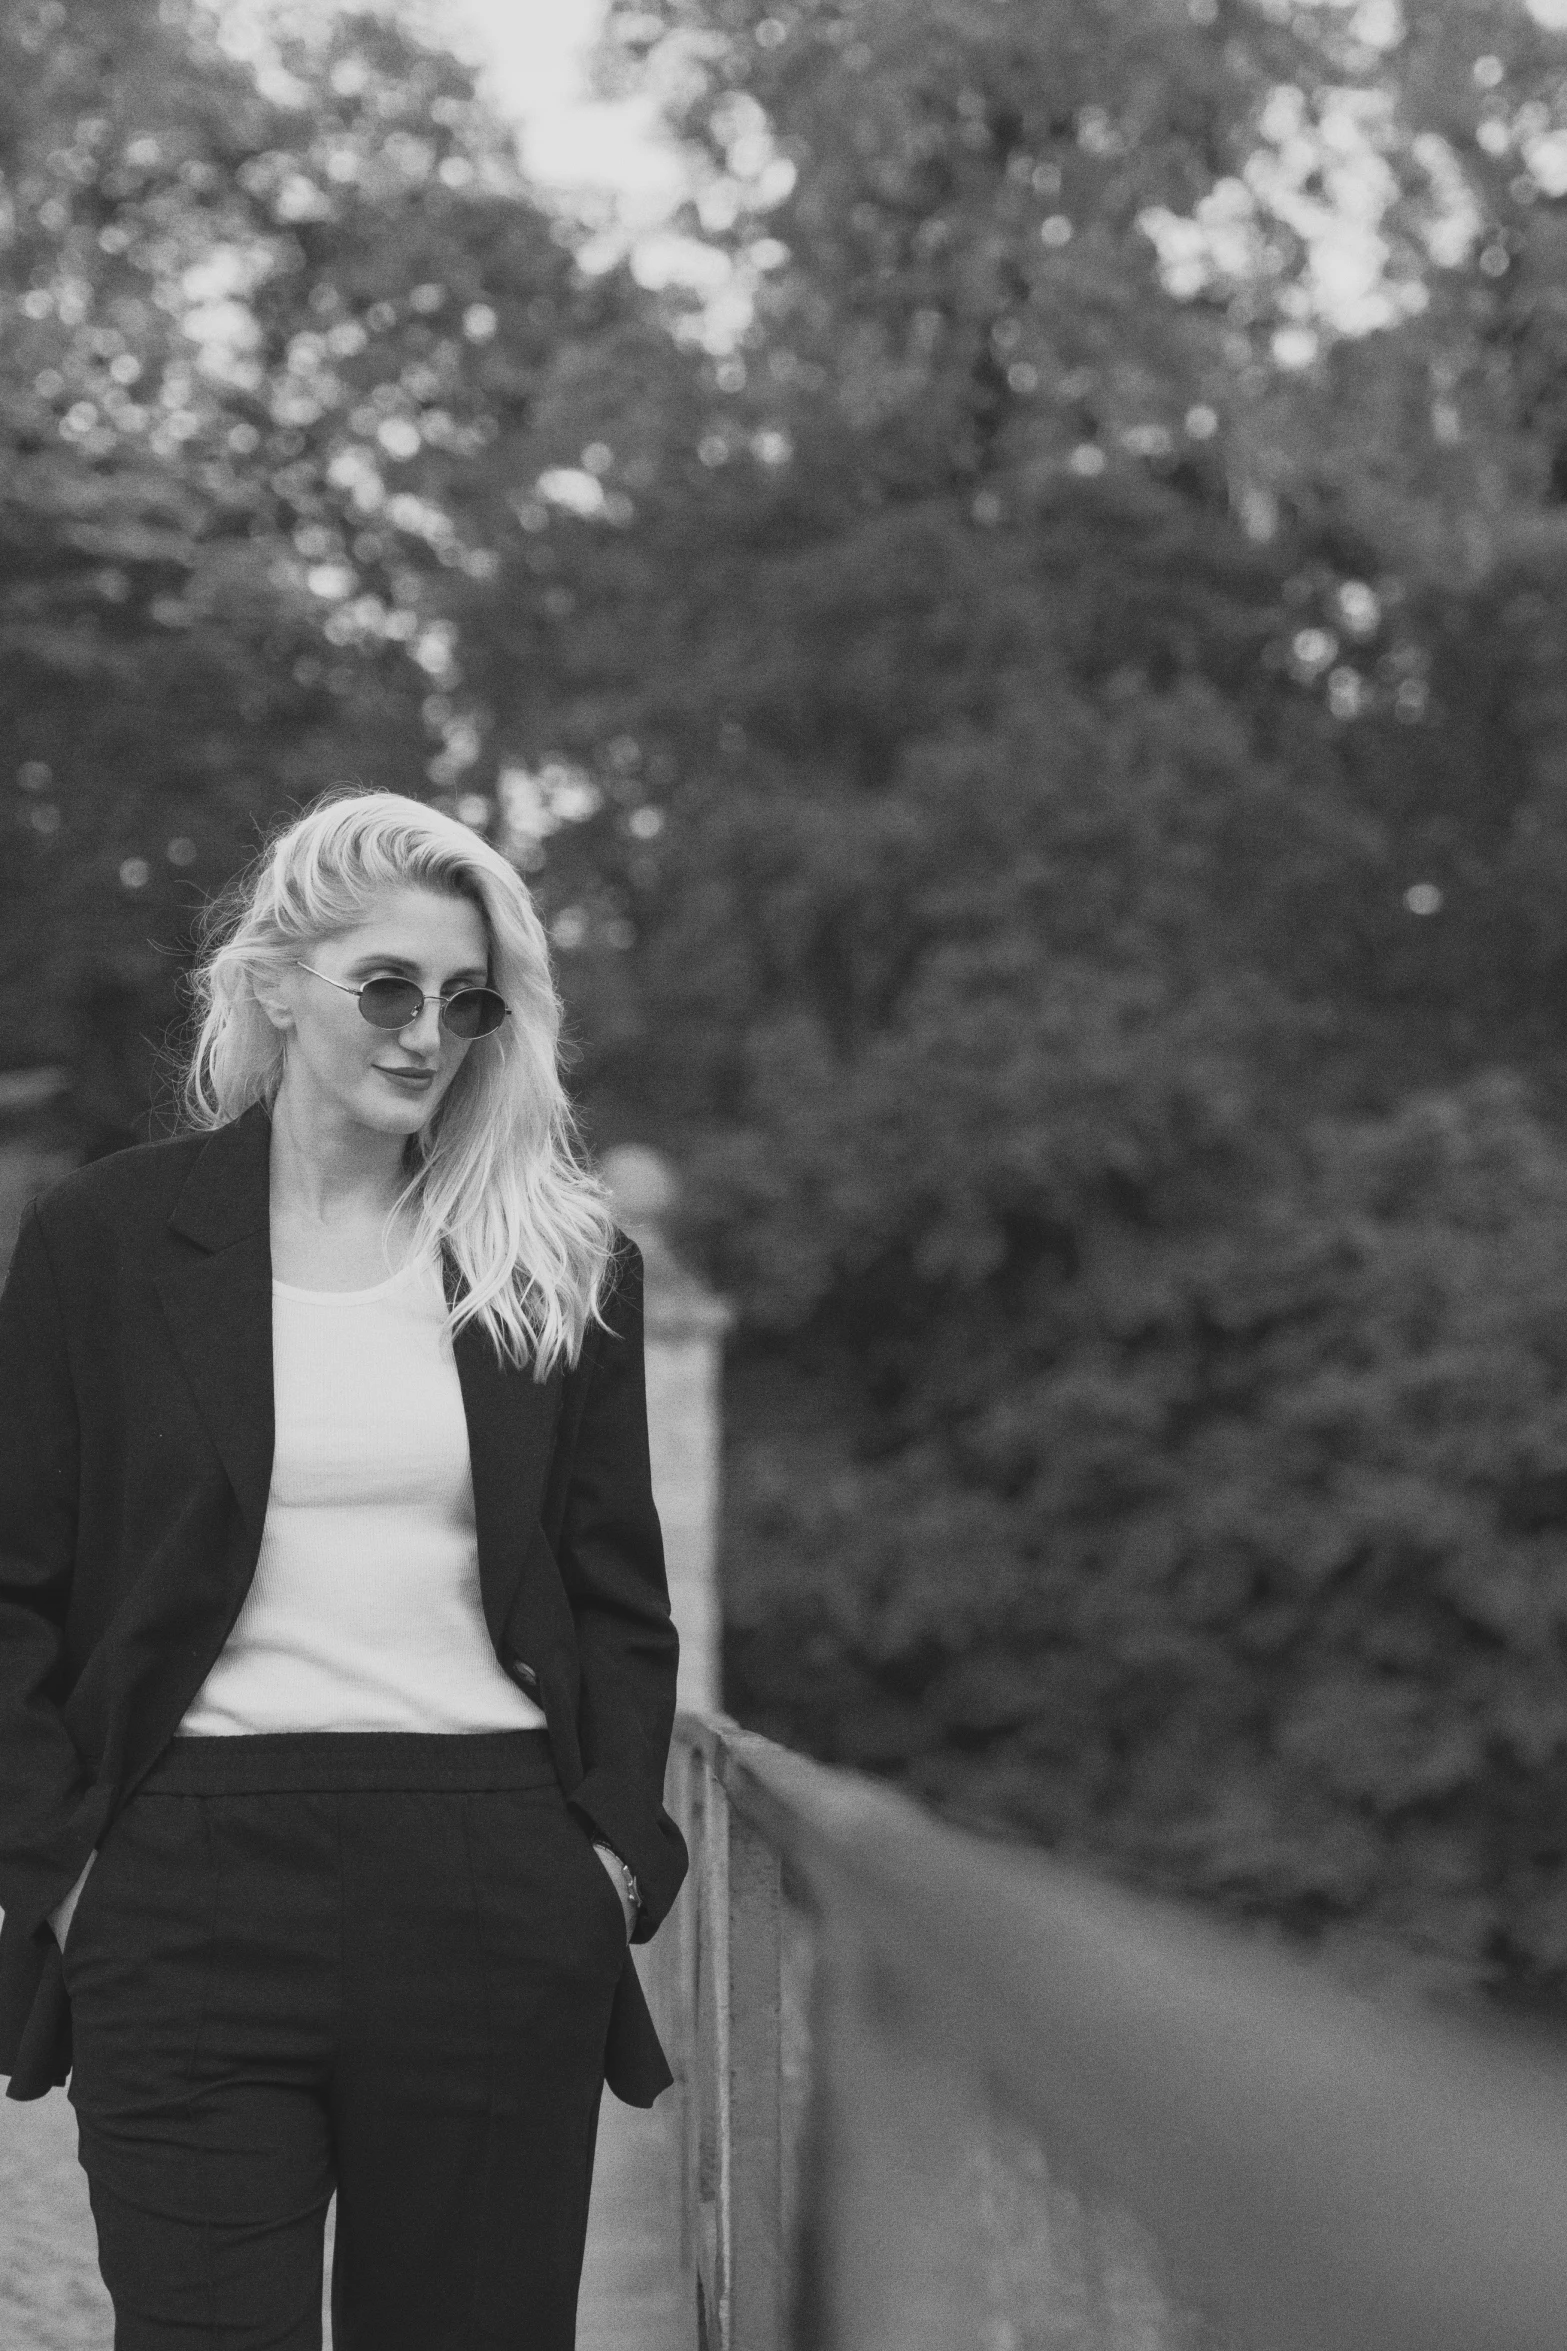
(226, 1196)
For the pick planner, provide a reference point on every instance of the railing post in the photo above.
(685, 1326)
(745, 2292)
(675, 1969)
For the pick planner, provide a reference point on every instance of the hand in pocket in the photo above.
(62, 1913)
(614, 1870)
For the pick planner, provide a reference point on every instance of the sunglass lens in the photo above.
(389, 1004)
(474, 1012)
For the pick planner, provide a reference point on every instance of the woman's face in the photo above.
(390, 1080)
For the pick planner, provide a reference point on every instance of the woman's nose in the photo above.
(424, 1030)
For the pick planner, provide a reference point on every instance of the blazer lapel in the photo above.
(215, 1284)
(511, 1427)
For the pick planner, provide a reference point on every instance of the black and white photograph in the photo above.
(783, 1175)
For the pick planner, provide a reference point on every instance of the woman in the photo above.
(336, 1665)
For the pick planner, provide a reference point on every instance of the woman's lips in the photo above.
(415, 1079)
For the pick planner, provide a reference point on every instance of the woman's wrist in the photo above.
(623, 1870)
(61, 1915)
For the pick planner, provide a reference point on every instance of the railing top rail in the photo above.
(1341, 2177)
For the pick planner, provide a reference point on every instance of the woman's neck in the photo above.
(331, 1171)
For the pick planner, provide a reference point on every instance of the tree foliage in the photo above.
(1118, 756)
(284, 355)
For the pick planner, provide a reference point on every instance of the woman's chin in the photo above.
(388, 1112)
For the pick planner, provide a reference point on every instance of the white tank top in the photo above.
(365, 1612)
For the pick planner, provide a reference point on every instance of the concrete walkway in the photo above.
(52, 2299)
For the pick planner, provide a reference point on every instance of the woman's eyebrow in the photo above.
(401, 963)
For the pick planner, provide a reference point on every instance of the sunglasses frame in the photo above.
(346, 988)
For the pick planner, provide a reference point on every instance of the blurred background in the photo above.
(1001, 566)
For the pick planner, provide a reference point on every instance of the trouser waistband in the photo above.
(308, 1762)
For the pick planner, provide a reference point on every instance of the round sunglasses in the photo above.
(392, 1004)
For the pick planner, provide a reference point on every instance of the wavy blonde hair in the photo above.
(498, 1177)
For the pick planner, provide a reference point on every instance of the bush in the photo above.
(1233, 1551)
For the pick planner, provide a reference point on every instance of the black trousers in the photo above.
(380, 1962)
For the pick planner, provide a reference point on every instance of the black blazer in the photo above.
(135, 1462)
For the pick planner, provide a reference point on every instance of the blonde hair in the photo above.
(498, 1177)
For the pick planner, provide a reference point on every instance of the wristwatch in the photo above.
(633, 1890)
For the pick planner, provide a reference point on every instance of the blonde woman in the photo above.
(336, 1664)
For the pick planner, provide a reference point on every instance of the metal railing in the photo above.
(936, 2093)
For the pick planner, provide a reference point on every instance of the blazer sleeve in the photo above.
(49, 1812)
(611, 1558)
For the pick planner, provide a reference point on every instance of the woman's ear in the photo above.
(271, 994)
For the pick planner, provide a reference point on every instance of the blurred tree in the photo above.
(287, 345)
(1106, 751)
(1043, 308)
